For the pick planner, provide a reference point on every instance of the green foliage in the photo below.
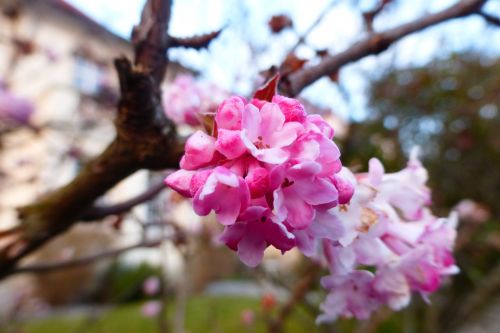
(123, 282)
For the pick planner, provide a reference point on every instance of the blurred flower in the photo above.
(268, 301)
(389, 229)
(186, 101)
(14, 110)
(472, 211)
(247, 317)
(151, 308)
(151, 285)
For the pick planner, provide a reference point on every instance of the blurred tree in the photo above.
(450, 108)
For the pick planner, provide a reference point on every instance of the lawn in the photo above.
(204, 315)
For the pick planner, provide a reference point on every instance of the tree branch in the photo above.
(195, 42)
(302, 38)
(98, 212)
(490, 18)
(49, 267)
(489, 285)
(299, 292)
(373, 44)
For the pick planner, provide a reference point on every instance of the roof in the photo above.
(83, 18)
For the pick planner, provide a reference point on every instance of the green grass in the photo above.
(204, 315)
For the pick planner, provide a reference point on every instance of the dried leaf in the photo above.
(267, 92)
(334, 77)
(278, 23)
(291, 64)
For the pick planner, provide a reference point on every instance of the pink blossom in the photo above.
(186, 100)
(151, 308)
(268, 170)
(151, 285)
(265, 133)
(351, 295)
(247, 317)
(387, 226)
(223, 192)
(257, 230)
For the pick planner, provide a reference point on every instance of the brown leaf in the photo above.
(278, 23)
(334, 77)
(291, 64)
(267, 92)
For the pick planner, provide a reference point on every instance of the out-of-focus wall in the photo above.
(62, 61)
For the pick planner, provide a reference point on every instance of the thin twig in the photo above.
(489, 285)
(373, 44)
(302, 38)
(490, 18)
(302, 287)
(49, 267)
(98, 212)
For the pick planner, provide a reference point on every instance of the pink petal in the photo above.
(291, 108)
(251, 250)
(290, 204)
(375, 171)
(316, 191)
(224, 193)
(229, 143)
(180, 181)
(251, 122)
(286, 135)
(320, 125)
(258, 181)
(199, 151)
(272, 121)
(229, 114)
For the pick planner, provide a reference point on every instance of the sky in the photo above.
(232, 62)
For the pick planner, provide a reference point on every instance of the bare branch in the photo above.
(303, 286)
(318, 20)
(50, 267)
(490, 18)
(195, 42)
(488, 286)
(373, 44)
(369, 16)
(98, 212)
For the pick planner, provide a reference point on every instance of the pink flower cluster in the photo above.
(186, 100)
(384, 245)
(268, 172)
(272, 175)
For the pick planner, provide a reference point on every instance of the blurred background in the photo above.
(438, 88)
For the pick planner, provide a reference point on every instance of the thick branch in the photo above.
(50, 267)
(373, 44)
